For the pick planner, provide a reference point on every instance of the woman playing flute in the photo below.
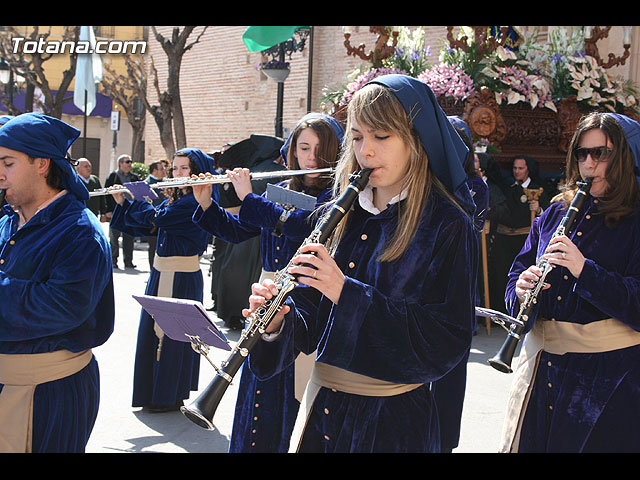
(166, 371)
(266, 410)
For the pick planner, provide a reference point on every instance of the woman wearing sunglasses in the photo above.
(580, 363)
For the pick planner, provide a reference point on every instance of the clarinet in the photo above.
(502, 360)
(203, 408)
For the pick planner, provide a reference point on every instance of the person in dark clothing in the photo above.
(120, 176)
(97, 204)
(522, 207)
(157, 172)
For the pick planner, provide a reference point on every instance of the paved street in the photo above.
(122, 428)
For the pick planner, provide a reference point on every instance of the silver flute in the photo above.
(203, 179)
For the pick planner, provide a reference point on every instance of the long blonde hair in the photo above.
(376, 107)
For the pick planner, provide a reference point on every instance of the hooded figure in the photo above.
(514, 222)
(57, 292)
(445, 149)
(54, 140)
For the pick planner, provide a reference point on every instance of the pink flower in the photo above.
(448, 81)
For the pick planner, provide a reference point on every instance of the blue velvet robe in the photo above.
(405, 321)
(56, 287)
(450, 390)
(265, 410)
(167, 382)
(594, 397)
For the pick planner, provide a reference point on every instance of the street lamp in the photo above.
(278, 53)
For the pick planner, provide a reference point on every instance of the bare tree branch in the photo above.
(31, 68)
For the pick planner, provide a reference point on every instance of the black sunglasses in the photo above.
(599, 154)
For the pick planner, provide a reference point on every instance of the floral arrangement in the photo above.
(481, 145)
(273, 65)
(572, 73)
(523, 83)
(448, 81)
(411, 54)
(595, 87)
(540, 75)
(551, 57)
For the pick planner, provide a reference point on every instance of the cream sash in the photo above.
(303, 364)
(168, 266)
(557, 338)
(324, 375)
(20, 375)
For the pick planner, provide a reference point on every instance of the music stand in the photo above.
(185, 321)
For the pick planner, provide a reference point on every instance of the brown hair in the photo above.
(328, 150)
(621, 197)
(379, 109)
(54, 175)
(176, 193)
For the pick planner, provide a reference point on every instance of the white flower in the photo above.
(505, 54)
(577, 75)
(592, 62)
(541, 84)
(489, 72)
(515, 97)
(584, 93)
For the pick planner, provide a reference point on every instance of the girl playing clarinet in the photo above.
(391, 307)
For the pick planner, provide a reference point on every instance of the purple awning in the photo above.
(103, 107)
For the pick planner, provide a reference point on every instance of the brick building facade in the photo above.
(225, 99)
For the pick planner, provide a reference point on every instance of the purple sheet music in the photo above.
(182, 319)
(141, 191)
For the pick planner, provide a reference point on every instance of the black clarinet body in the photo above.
(203, 408)
(502, 360)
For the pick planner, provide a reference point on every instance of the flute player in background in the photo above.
(56, 291)
(395, 309)
(266, 410)
(580, 362)
(166, 370)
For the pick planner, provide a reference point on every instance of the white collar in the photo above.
(526, 183)
(366, 199)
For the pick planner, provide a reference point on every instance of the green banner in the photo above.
(263, 37)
